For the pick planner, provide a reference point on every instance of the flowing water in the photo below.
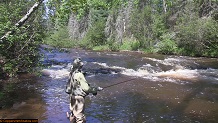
(162, 89)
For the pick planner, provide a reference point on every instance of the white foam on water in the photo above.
(146, 71)
(159, 61)
(172, 61)
(209, 74)
(179, 74)
(101, 64)
(107, 66)
(57, 67)
(137, 73)
(114, 54)
(56, 74)
(125, 71)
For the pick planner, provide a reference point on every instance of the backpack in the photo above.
(73, 86)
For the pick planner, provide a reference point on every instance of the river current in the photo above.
(140, 88)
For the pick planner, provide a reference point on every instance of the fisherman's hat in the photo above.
(77, 63)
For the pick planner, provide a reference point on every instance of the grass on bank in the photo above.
(59, 38)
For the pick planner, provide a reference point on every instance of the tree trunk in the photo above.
(164, 6)
(22, 20)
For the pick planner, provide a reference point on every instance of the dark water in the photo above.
(163, 89)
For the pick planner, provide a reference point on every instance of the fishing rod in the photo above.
(119, 83)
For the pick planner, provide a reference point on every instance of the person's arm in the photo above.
(84, 85)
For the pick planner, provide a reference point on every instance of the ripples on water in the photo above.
(165, 89)
(147, 71)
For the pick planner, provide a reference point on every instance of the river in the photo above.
(162, 88)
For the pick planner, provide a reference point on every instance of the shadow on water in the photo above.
(21, 98)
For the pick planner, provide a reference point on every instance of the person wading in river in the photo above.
(78, 88)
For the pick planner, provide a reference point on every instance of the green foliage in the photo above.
(114, 46)
(190, 32)
(101, 48)
(158, 25)
(95, 35)
(198, 37)
(167, 45)
(140, 26)
(147, 27)
(135, 45)
(211, 52)
(126, 45)
(61, 9)
(1, 95)
(59, 38)
(19, 52)
(130, 44)
(210, 36)
(195, 36)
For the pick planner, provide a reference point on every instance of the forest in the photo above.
(171, 27)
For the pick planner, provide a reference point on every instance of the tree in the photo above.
(22, 20)
(156, 25)
(19, 52)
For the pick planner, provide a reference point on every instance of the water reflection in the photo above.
(21, 99)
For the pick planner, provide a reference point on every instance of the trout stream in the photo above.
(162, 88)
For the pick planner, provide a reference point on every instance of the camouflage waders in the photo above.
(77, 106)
